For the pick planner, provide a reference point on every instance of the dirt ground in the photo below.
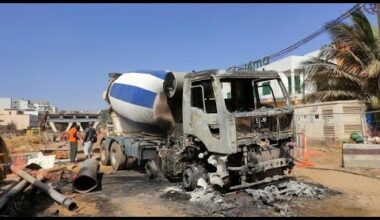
(359, 187)
(130, 193)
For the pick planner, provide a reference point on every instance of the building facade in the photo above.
(43, 106)
(292, 73)
(28, 107)
(21, 120)
(5, 103)
(330, 121)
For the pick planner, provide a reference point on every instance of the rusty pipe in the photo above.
(58, 197)
(87, 177)
(13, 191)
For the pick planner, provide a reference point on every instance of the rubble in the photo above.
(175, 194)
(273, 193)
(202, 183)
(278, 195)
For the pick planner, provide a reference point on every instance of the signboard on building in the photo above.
(251, 65)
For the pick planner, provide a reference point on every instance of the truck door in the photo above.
(203, 121)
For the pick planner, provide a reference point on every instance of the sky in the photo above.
(63, 53)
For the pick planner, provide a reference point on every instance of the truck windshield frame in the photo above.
(241, 94)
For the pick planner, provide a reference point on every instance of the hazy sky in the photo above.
(63, 52)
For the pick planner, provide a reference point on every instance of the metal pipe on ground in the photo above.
(13, 191)
(58, 197)
(87, 178)
(6, 188)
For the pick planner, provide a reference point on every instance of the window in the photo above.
(203, 97)
(244, 95)
(196, 97)
(271, 95)
(297, 82)
(238, 94)
(266, 88)
(289, 85)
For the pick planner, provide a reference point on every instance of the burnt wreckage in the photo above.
(232, 128)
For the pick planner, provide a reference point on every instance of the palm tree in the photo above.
(349, 67)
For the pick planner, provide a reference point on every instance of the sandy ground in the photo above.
(130, 193)
(360, 194)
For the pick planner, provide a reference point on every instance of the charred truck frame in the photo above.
(214, 125)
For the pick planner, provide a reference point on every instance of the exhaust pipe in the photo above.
(87, 178)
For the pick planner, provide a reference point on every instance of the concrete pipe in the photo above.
(87, 177)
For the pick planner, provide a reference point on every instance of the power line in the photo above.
(315, 34)
(305, 40)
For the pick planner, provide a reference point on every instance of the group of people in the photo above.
(89, 138)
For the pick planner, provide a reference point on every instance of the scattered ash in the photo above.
(274, 199)
(175, 194)
(279, 196)
(18, 206)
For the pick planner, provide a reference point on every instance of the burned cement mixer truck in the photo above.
(234, 129)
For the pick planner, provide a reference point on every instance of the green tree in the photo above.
(349, 67)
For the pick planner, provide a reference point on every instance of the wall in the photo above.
(21, 120)
(330, 121)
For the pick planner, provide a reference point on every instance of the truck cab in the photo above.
(244, 118)
(232, 128)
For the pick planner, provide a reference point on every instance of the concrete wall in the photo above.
(361, 155)
(330, 121)
(22, 121)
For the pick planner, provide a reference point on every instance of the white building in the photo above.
(20, 104)
(291, 71)
(26, 106)
(42, 106)
(5, 103)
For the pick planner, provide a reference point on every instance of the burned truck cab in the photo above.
(241, 122)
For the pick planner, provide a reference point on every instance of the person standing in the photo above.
(90, 137)
(73, 140)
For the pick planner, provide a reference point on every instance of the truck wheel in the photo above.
(151, 169)
(104, 154)
(3, 170)
(130, 162)
(191, 175)
(117, 157)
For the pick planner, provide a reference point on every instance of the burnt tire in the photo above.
(191, 175)
(117, 157)
(3, 170)
(151, 169)
(104, 154)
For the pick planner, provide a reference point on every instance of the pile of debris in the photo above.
(203, 195)
(279, 195)
(275, 197)
(53, 182)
